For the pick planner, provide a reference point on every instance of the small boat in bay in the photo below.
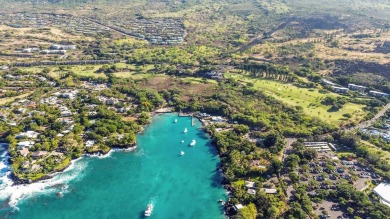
(182, 141)
(181, 153)
(149, 210)
(193, 143)
(175, 120)
(185, 130)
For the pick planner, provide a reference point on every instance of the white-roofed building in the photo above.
(251, 191)
(28, 134)
(250, 184)
(270, 191)
(23, 144)
(238, 207)
(378, 94)
(383, 191)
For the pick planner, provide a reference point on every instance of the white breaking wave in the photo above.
(102, 156)
(58, 182)
(15, 193)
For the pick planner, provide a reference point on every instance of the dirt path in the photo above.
(118, 30)
(267, 35)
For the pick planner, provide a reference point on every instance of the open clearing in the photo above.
(126, 70)
(309, 99)
(11, 99)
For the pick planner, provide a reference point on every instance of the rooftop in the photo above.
(383, 191)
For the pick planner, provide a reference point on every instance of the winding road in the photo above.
(368, 123)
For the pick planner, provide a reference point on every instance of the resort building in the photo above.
(383, 191)
(357, 87)
(339, 89)
(378, 94)
(327, 83)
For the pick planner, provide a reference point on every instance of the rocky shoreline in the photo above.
(17, 181)
(228, 207)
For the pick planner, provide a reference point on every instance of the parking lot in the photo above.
(330, 208)
(325, 172)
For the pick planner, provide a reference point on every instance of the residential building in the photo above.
(249, 184)
(28, 134)
(270, 191)
(39, 154)
(63, 47)
(89, 143)
(23, 144)
(24, 152)
(251, 191)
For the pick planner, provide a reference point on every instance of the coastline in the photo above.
(100, 154)
(54, 183)
(18, 181)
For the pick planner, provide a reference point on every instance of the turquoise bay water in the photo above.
(122, 184)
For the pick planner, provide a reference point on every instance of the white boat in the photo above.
(149, 210)
(185, 130)
(182, 141)
(175, 120)
(181, 153)
(193, 143)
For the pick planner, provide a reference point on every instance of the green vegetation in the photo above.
(307, 99)
(257, 64)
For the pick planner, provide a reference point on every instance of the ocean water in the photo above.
(121, 184)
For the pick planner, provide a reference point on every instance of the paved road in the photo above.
(368, 123)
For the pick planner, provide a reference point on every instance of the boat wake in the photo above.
(58, 184)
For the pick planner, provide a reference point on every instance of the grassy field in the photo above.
(194, 80)
(309, 99)
(134, 72)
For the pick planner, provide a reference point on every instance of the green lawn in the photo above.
(309, 99)
(199, 80)
(88, 70)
